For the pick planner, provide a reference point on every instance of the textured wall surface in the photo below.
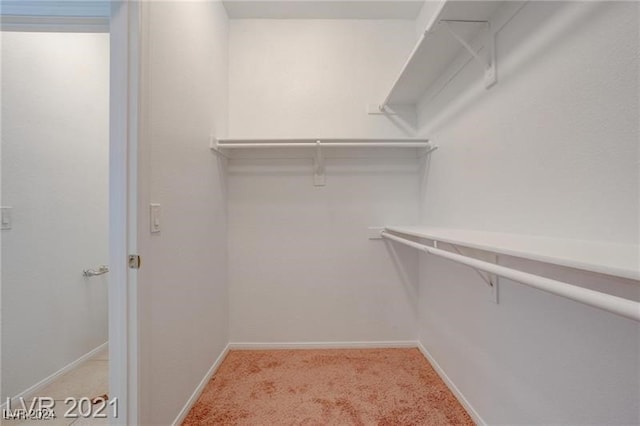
(553, 148)
(301, 266)
(183, 284)
(314, 78)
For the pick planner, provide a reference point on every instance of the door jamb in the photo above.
(123, 145)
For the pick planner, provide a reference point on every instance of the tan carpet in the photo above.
(327, 387)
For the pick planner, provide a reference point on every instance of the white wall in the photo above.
(314, 78)
(55, 90)
(301, 267)
(183, 280)
(551, 150)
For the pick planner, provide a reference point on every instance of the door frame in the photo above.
(123, 194)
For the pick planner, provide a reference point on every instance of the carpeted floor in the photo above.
(327, 387)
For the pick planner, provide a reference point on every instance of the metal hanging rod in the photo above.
(614, 304)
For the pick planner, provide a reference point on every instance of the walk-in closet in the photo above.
(373, 212)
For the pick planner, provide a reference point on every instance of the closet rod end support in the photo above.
(375, 232)
(213, 142)
(215, 146)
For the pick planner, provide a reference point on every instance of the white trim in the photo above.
(123, 145)
(58, 24)
(452, 387)
(323, 345)
(196, 393)
(33, 390)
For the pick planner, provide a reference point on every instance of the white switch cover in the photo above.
(6, 219)
(154, 213)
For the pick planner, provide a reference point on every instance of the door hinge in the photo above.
(134, 261)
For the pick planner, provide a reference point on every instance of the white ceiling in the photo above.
(323, 9)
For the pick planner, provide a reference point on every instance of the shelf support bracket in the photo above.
(318, 166)
(492, 280)
(428, 150)
(488, 60)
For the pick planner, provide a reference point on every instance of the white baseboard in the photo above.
(323, 345)
(452, 387)
(196, 393)
(33, 390)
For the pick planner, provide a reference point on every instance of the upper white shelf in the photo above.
(321, 142)
(620, 260)
(221, 145)
(455, 24)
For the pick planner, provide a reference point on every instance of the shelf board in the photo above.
(323, 140)
(226, 143)
(437, 49)
(620, 260)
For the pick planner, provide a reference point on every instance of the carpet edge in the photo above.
(203, 383)
(323, 345)
(452, 387)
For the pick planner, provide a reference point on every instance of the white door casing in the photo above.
(123, 195)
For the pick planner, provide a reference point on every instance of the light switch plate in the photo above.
(6, 217)
(154, 216)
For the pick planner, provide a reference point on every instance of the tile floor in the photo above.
(89, 379)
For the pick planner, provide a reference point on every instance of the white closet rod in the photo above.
(617, 305)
